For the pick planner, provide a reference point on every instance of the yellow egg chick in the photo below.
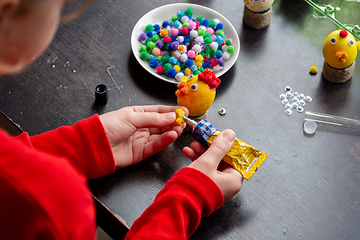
(340, 49)
(197, 93)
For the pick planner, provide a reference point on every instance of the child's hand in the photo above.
(209, 162)
(138, 132)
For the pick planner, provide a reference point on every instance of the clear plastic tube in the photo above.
(332, 120)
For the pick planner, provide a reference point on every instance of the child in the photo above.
(43, 178)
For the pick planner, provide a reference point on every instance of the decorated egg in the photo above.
(258, 5)
(340, 49)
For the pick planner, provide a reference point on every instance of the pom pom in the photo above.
(175, 45)
(188, 11)
(212, 23)
(199, 58)
(165, 24)
(231, 49)
(221, 63)
(213, 62)
(184, 30)
(184, 19)
(171, 72)
(149, 27)
(343, 33)
(180, 39)
(172, 60)
(180, 14)
(192, 25)
(164, 53)
(174, 31)
(159, 69)
(167, 66)
(154, 63)
(206, 65)
(150, 45)
(194, 33)
(199, 18)
(156, 51)
(218, 55)
(189, 63)
(204, 23)
(143, 48)
(219, 26)
(167, 39)
(187, 71)
(156, 27)
(177, 54)
(228, 42)
(183, 57)
(179, 75)
(149, 34)
(142, 37)
(144, 55)
(214, 83)
(181, 48)
(199, 39)
(214, 46)
(194, 68)
(177, 68)
(159, 43)
(226, 55)
(208, 40)
(176, 24)
(191, 54)
(197, 48)
(210, 30)
(163, 32)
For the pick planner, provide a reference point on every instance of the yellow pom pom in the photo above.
(199, 58)
(198, 63)
(179, 120)
(181, 48)
(163, 32)
(187, 71)
(313, 69)
(177, 68)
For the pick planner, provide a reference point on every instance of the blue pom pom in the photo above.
(189, 63)
(220, 47)
(190, 38)
(171, 72)
(194, 68)
(173, 38)
(156, 27)
(180, 14)
(149, 33)
(218, 55)
(173, 60)
(165, 24)
(205, 23)
(219, 26)
(176, 24)
(161, 63)
(206, 65)
(185, 39)
(169, 48)
(151, 57)
(154, 63)
(219, 39)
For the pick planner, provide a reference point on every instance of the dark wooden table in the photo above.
(308, 188)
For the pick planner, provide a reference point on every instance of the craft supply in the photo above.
(242, 157)
(185, 38)
(101, 94)
(257, 13)
(333, 120)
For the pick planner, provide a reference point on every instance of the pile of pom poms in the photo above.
(185, 46)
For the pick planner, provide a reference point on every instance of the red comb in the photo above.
(343, 33)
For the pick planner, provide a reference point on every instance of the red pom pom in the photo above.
(197, 24)
(201, 77)
(184, 30)
(167, 39)
(214, 83)
(159, 69)
(213, 62)
(206, 59)
(343, 33)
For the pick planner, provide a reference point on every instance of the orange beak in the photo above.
(341, 56)
(183, 89)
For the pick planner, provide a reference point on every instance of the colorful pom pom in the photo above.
(167, 39)
(171, 72)
(144, 55)
(191, 54)
(159, 69)
(142, 37)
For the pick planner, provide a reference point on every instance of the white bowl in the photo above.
(160, 14)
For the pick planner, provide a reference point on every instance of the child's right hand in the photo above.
(209, 162)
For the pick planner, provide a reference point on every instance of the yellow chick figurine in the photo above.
(339, 50)
(197, 93)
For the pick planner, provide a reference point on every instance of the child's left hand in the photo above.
(138, 132)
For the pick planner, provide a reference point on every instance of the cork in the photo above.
(257, 20)
(337, 75)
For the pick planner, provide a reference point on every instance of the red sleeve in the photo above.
(85, 144)
(178, 208)
(42, 196)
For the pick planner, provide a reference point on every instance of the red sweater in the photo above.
(44, 193)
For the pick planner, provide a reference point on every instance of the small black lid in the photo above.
(101, 94)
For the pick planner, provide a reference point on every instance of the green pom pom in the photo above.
(211, 23)
(201, 32)
(167, 66)
(201, 69)
(186, 24)
(150, 46)
(197, 72)
(159, 58)
(173, 18)
(144, 55)
(143, 48)
(149, 27)
(220, 32)
(207, 35)
(199, 18)
(230, 49)
(228, 42)
(155, 38)
(183, 66)
(166, 58)
(148, 40)
(188, 11)
(207, 50)
(208, 40)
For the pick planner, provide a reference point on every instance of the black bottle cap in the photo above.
(101, 94)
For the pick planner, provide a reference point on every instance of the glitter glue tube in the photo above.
(243, 157)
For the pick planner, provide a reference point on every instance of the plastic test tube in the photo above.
(332, 120)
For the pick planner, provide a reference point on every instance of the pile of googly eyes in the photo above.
(293, 101)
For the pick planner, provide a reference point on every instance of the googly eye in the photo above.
(333, 40)
(194, 87)
(351, 42)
